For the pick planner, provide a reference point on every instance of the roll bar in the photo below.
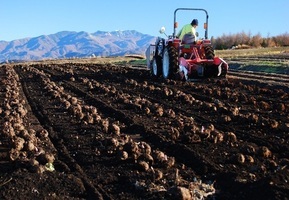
(197, 9)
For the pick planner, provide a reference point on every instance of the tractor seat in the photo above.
(188, 39)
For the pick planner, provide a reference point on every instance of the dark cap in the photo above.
(194, 22)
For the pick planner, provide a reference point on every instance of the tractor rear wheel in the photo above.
(209, 52)
(170, 62)
(156, 69)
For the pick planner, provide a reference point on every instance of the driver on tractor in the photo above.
(188, 33)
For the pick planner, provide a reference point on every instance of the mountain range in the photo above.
(69, 44)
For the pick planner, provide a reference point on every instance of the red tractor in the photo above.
(175, 59)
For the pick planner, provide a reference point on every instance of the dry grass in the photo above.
(96, 60)
(251, 52)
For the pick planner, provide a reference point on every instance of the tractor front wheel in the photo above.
(170, 62)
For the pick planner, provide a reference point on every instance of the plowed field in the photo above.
(108, 131)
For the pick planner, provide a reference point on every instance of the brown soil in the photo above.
(106, 131)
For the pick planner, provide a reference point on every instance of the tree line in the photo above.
(247, 40)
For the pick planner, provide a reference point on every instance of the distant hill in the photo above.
(68, 44)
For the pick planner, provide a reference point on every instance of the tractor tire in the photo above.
(209, 52)
(156, 69)
(170, 62)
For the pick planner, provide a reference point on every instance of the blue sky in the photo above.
(32, 18)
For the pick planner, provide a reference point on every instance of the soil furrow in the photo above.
(119, 133)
